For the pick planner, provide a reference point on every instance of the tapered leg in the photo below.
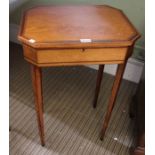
(98, 84)
(114, 92)
(37, 87)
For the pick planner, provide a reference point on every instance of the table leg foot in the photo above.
(43, 144)
(94, 106)
(101, 138)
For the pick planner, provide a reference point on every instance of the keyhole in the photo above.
(83, 50)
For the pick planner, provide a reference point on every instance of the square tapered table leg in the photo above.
(37, 87)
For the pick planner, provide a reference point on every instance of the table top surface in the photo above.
(76, 26)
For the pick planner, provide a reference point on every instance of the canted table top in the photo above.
(76, 26)
(76, 35)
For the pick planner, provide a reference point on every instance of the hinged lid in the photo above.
(66, 26)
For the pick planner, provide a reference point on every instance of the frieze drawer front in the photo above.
(75, 55)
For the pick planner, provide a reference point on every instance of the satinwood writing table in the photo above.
(76, 35)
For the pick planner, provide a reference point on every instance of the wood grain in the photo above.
(74, 55)
(64, 26)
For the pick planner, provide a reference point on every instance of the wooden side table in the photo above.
(76, 35)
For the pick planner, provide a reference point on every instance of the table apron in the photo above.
(58, 57)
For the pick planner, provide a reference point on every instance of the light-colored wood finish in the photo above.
(76, 35)
(74, 55)
(64, 26)
(81, 55)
